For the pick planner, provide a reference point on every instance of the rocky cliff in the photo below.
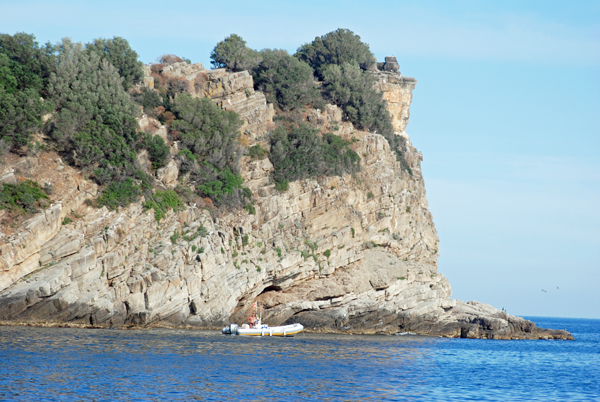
(352, 253)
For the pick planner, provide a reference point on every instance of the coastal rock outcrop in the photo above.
(356, 253)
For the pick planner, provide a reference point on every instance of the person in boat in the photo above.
(252, 319)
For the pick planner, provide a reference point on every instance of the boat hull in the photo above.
(284, 330)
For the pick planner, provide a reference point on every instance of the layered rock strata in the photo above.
(352, 253)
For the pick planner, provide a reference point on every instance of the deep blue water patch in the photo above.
(57, 364)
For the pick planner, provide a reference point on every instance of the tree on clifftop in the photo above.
(233, 54)
(287, 81)
(337, 47)
(118, 53)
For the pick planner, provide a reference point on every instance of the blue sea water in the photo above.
(58, 364)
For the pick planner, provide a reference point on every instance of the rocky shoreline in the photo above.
(349, 254)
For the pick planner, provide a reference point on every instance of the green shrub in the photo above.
(337, 47)
(67, 220)
(327, 253)
(158, 151)
(94, 124)
(299, 153)
(278, 250)
(20, 116)
(193, 249)
(352, 89)
(353, 232)
(148, 99)
(233, 54)
(161, 202)
(28, 65)
(282, 185)
(370, 195)
(119, 194)
(21, 197)
(211, 136)
(117, 52)
(287, 82)
(257, 152)
(251, 209)
(174, 237)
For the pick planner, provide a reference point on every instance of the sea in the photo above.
(62, 364)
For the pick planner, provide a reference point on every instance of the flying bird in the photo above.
(543, 290)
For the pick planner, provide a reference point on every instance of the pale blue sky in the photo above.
(506, 113)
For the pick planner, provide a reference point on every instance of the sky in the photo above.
(506, 112)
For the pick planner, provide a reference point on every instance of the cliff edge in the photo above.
(354, 253)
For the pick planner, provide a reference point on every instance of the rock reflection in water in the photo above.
(71, 364)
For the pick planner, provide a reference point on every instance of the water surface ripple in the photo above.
(58, 364)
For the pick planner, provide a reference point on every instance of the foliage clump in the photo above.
(287, 82)
(299, 153)
(24, 70)
(117, 52)
(119, 194)
(338, 47)
(233, 54)
(21, 197)
(161, 202)
(351, 89)
(158, 151)
(210, 149)
(257, 152)
(94, 124)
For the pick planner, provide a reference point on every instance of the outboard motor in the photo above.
(230, 330)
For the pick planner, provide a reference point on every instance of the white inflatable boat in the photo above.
(263, 330)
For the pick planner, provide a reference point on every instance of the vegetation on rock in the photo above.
(233, 54)
(338, 47)
(299, 153)
(161, 202)
(22, 197)
(210, 149)
(287, 82)
(93, 99)
(117, 52)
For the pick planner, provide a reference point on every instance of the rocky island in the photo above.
(352, 250)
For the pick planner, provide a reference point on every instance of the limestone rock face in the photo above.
(230, 91)
(397, 91)
(353, 253)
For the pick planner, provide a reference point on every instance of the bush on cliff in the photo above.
(119, 194)
(24, 70)
(163, 201)
(21, 197)
(94, 124)
(299, 153)
(352, 89)
(337, 47)
(210, 148)
(287, 82)
(20, 116)
(158, 151)
(29, 63)
(233, 54)
(118, 53)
